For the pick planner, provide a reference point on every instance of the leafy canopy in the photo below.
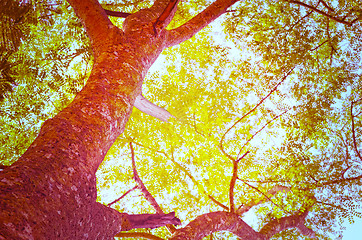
(304, 136)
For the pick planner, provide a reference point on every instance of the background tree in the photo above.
(267, 123)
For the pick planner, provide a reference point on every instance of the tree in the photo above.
(301, 71)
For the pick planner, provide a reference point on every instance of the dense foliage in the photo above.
(275, 80)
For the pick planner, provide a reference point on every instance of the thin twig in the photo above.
(123, 195)
(324, 13)
(313, 49)
(273, 191)
(261, 130)
(218, 203)
(252, 110)
(266, 196)
(326, 5)
(354, 134)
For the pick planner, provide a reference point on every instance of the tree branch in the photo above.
(138, 235)
(141, 186)
(117, 14)
(245, 115)
(326, 5)
(144, 105)
(153, 220)
(166, 16)
(201, 20)
(95, 21)
(265, 125)
(218, 203)
(265, 195)
(208, 223)
(324, 13)
(273, 191)
(123, 195)
(284, 223)
(313, 49)
(232, 182)
(147, 194)
(354, 134)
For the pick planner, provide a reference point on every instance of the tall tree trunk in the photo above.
(50, 192)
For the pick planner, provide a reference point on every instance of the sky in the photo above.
(353, 231)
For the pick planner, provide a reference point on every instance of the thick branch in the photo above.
(209, 223)
(141, 186)
(166, 16)
(148, 195)
(206, 224)
(153, 220)
(294, 221)
(95, 22)
(138, 235)
(144, 105)
(117, 14)
(201, 20)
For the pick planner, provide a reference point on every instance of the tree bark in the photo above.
(209, 223)
(50, 192)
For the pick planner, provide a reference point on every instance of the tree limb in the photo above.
(96, 23)
(141, 186)
(208, 223)
(284, 223)
(354, 134)
(273, 191)
(324, 13)
(148, 195)
(221, 147)
(123, 195)
(201, 20)
(138, 235)
(144, 105)
(117, 14)
(232, 183)
(166, 16)
(153, 220)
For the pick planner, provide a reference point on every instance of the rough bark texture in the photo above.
(50, 192)
(209, 223)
